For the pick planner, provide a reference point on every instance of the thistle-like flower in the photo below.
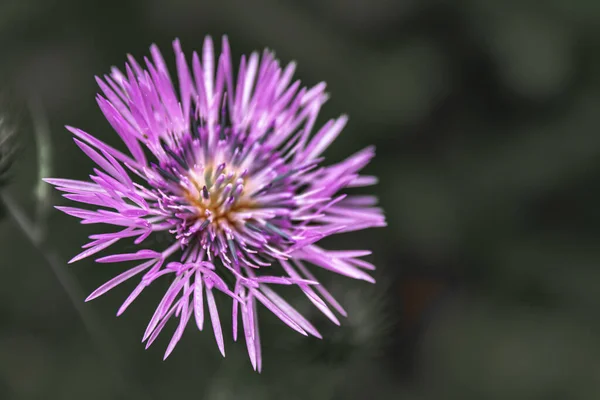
(231, 170)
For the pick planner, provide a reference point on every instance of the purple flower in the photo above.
(231, 169)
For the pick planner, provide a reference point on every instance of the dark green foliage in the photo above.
(7, 158)
(7, 151)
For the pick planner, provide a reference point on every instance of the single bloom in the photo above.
(230, 169)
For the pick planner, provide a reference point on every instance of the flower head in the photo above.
(230, 167)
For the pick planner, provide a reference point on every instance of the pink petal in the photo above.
(328, 297)
(185, 317)
(279, 313)
(136, 292)
(103, 146)
(281, 280)
(248, 323)
(312, 296)
(214, 317)
(290, 311)
(235, 310)
(162, 324)
(139, 255)
(73, 184)
(163, 306)
(349, 253)
(118, 280)
(256, 335)
(93, 250)
(98, 159)
(198, 301)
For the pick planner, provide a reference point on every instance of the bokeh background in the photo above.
(485, 115)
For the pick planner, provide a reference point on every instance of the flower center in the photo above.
(217, 195)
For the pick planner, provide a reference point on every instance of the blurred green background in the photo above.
(485, 115)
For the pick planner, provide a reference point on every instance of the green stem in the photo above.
(73, 291)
